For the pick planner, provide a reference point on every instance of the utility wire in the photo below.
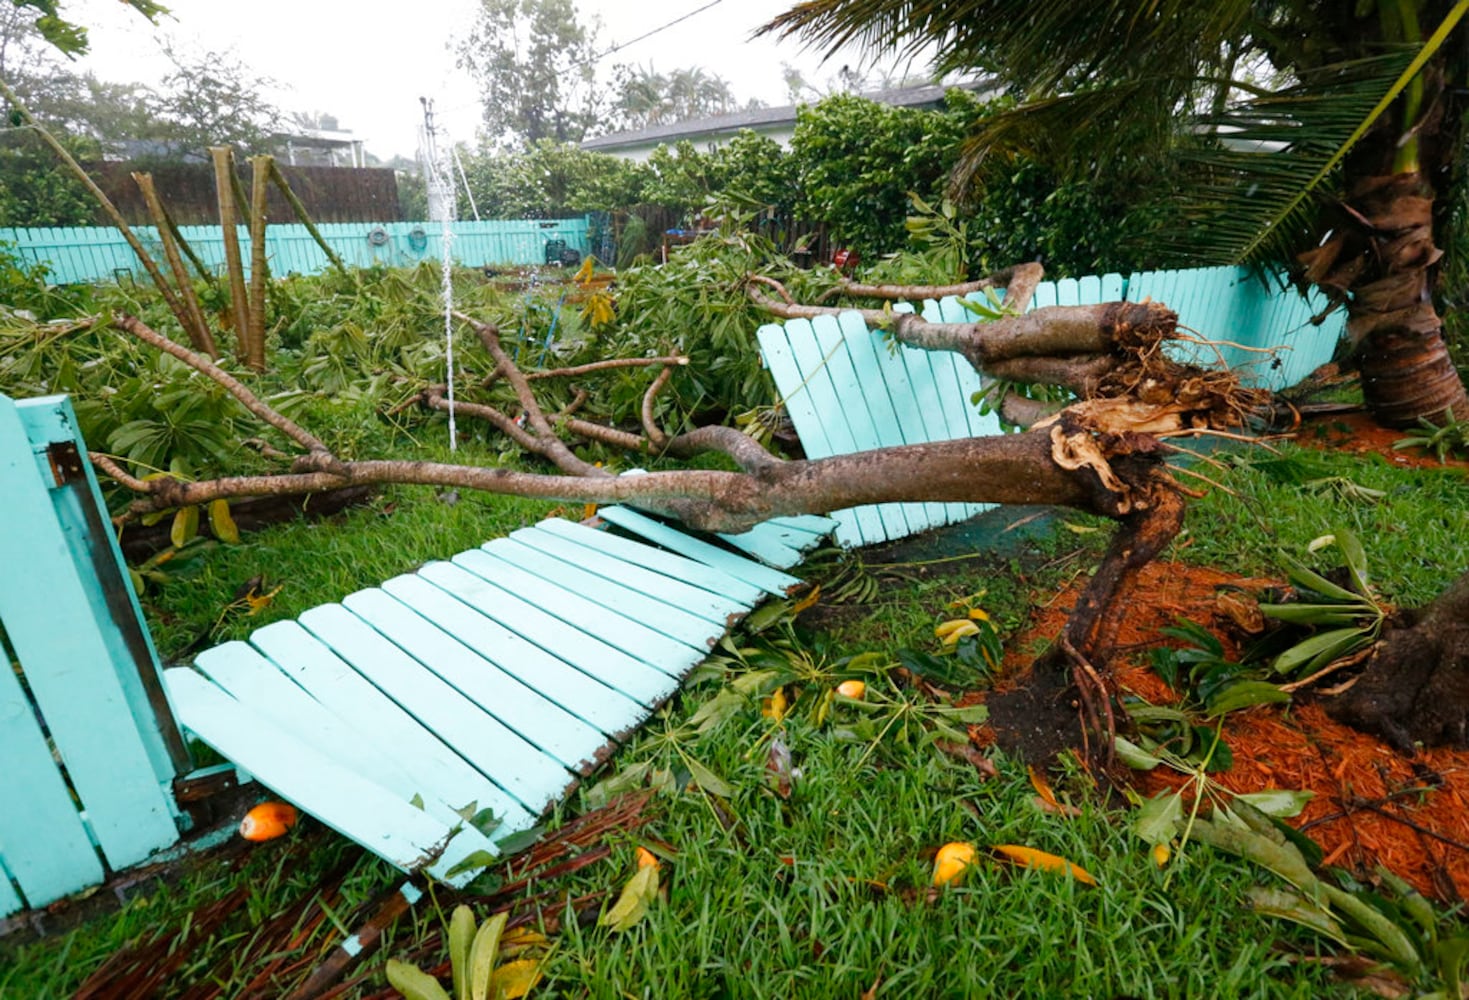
(649, 34)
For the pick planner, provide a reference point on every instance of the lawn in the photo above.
(826, 891)
(794, 830)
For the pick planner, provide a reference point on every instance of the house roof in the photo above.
(756, 118)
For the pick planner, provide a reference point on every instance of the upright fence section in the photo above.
(80, 255)
(87, 739)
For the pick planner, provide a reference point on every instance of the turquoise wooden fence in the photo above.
(846, 391)
(87, 740)
(84, 255)
(497, 678)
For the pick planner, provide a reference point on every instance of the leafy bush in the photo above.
(858, 160)
(34, 191)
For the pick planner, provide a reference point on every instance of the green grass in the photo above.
(1416, 533)
(316, 561)
(737, 919)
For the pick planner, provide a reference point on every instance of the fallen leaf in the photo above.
(955, 629)
(776, 705)
(1029, 857)
(221, 523)
(413, 983)
(808, 601)
(515, 979)
(968, 751)
(1046, 799)
(632, 905)
(646, 858)
(871, 992)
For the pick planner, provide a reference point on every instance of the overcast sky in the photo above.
(369, 61)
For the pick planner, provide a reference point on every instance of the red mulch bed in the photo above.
(1301, 748)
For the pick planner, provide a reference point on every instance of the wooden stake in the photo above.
(259, 188)
(300, 210)
(197, 328)
(188, 251)
(224, 182)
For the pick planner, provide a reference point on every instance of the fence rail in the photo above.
(81, 255)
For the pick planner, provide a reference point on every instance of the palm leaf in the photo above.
(1255, 193)
(1082, 133)
(1040, 46)
(1279, 154)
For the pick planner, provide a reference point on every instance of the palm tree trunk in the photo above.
(1407, 373)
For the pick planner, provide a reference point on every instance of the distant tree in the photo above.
(535, 66)
(214, 99)
(549, 180)
(647, 98)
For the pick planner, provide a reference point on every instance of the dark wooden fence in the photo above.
(330, 194)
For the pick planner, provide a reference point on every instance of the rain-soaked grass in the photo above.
(827, 892)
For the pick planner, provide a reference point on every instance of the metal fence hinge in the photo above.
(66, 462)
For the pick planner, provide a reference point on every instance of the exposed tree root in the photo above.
(1415, 689)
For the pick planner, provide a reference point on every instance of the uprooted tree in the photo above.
(1105, 453)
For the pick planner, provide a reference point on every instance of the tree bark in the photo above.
(224, 172)
(1407, 373)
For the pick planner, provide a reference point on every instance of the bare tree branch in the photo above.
(504, 365)
(657, 440)
(916, 293)
(247, 399)
(599, 366)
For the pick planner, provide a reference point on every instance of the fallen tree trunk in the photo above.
(1102, 456)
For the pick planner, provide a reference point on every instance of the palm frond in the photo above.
(1085, 133)
(1038, 46)
(1256, 190)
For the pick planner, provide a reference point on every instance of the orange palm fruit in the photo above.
(852, 689)
(268, 821)
(950, 862)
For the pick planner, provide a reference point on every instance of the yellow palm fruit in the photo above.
(852, 689)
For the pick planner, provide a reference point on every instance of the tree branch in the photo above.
(657, 440)
(247, 399)
(599, 366)
(915, 293)
(554, 448)
(1012, 468)
(1051, 331)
